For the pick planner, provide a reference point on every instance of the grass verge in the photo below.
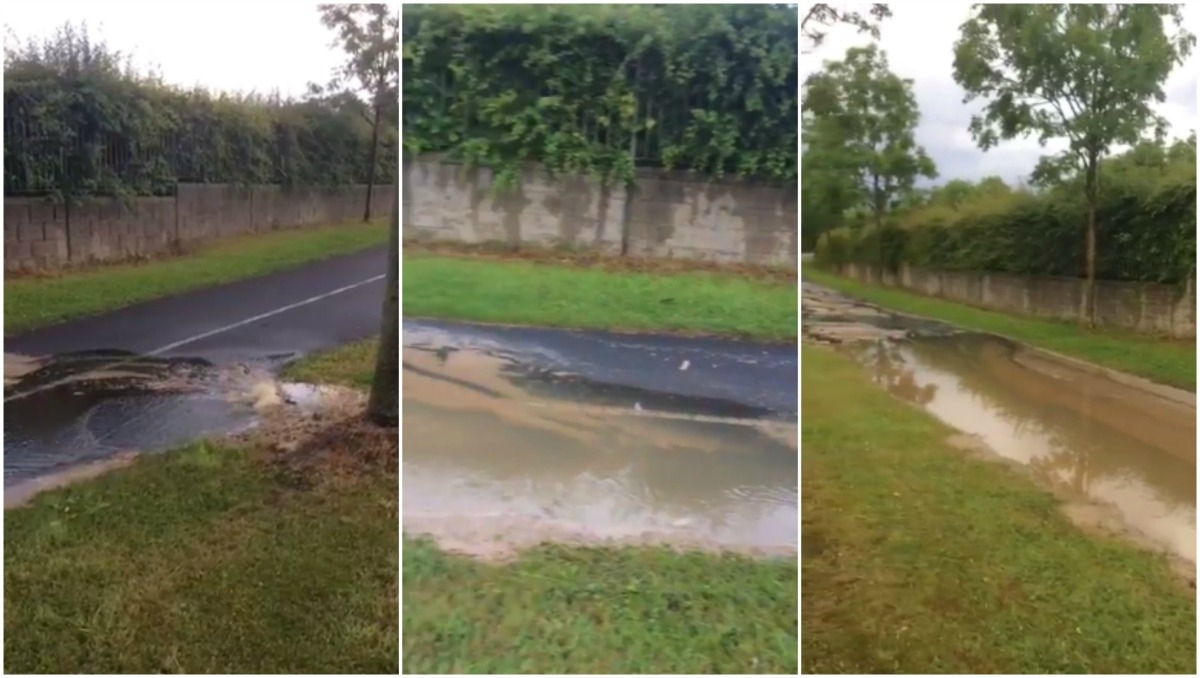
(1166, 361)
(918, 558)
(34, 301)
(350, 365)
(582, 610)
(564, 294)
(215, 558)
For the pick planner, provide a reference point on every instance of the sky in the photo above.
(243, 47)
(919, 41)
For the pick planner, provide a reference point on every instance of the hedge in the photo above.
(77, 123)
(604, 88)
(1143, 234)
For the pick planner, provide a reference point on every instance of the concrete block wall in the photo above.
(666, 214)
(40, 235)
(1163, 310)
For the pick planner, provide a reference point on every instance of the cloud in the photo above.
(919, 41)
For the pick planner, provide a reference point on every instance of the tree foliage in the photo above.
(859, 124)
(820, 17)
(1146, 226)
(80, 120)
(604, 88)
(369, 34)
(1084, 73)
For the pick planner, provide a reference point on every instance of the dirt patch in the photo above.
(326, 439)
(600, 260)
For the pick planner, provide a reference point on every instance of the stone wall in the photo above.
(39, 234)
(666, 214)
(1150, 308)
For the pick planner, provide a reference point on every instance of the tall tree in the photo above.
(370, 36)
(820, 17)
(384, 405)
(863, 116)
(1084, 73)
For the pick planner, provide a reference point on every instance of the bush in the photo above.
(604, 88)
(78, 123)
(1145, 233)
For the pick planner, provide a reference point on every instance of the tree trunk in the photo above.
(877, 208)
(384, 407)
(1089, 286)
(374, 157)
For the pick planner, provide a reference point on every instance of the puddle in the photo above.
(70, 415)
(500, 454)
(1128, 450)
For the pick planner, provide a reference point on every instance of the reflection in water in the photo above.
(1112, 443)
(480, 441)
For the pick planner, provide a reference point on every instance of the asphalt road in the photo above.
(296, 311)
(52, 425)
(704, 376)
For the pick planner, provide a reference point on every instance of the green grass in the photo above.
(918, 558)
(525, 293)
(598, 610)
(206, 560)
(349, 365)
(31, 302)
(1166, 361)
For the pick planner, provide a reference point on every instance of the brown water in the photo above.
(491, 464)
(1121, 447)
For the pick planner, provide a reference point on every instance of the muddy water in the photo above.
(1127, 449)
(498, 454)
(67, 412)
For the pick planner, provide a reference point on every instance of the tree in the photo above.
(370, 36)
(384, 405)
(1084, 73)
(862, 119)
(822, 16)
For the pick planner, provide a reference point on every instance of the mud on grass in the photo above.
(568, 295)
(1167, 361)
(919, 558)
(598, 610)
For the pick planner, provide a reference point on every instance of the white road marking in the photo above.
(204, 335)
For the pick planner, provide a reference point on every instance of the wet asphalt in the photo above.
(90, 419)
(704, 376)
(220, 325)
(148, 326)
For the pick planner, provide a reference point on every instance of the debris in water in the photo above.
(17, 366)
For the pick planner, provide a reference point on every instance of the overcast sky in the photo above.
(243, 46)
(919, 41)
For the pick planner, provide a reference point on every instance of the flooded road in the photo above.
(515, 436)
(66, 413)
(1128, 451)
